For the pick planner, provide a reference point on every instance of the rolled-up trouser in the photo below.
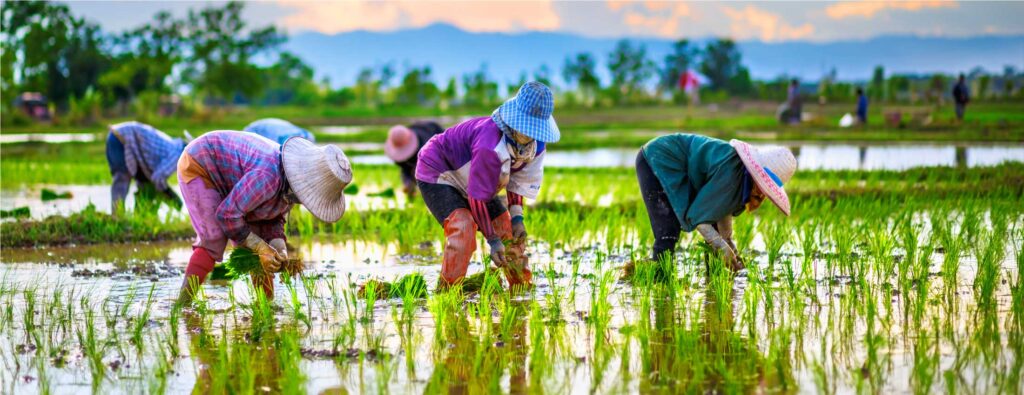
(202, 202)
(451, 210)
(664, 223)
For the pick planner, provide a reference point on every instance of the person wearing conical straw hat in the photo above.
(691, 182)
(461, 171)
(403, 147)
(240, 186)
(278, 130)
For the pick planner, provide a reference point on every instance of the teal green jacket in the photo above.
(702, 176)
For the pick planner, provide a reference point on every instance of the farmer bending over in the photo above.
(695, 182)
(278, 130)
(461, 171)
(403, 147)
(139, 151)
(240, 186)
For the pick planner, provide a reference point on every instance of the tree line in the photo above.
(212, 57)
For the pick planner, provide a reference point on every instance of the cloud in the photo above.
(868, 9)
(654, 17)
(477, 16)
(753, 22)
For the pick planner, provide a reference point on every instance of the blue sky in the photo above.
(764, 21)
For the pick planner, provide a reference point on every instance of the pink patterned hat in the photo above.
(401, 144)
(770, 168)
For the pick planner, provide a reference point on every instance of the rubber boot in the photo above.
(459, 246)
(199, 266)
(517, 269)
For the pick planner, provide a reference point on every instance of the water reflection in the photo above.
(809, 156)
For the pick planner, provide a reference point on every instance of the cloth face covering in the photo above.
(521, 153)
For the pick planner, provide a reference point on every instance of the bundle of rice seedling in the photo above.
(411, 283)
(243, 261)
(476, 281)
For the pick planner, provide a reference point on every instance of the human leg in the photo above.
(663, 219)
(119, 171)
(451, 210)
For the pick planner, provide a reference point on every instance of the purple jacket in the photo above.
(472, 157)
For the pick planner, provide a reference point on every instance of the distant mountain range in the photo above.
(453, 52)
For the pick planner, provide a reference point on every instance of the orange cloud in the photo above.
(868, 9)
(476, 16)
(754, 22)
(660, 17)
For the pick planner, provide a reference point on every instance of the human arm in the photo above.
(515, 209)
(714, 238)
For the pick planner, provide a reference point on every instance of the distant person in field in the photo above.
(278, 130)
(461, 171)
(403, 147)
(240, 187)
(793, 102)
(961, 96)
(862, 107)
(691, 182)
(690, 85)
(139, 151)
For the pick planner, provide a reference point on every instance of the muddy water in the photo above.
(810, 156)
(821, 330)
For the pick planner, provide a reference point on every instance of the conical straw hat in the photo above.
(318, 176)
(770, 169)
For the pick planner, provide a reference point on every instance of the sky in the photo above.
(761, 21)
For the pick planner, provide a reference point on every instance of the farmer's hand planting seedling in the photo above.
(240, 187)
(691, 182)
(270, 259)
(461, 171)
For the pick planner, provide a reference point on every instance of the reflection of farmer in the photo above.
(403, 147)
(278, 130)
(240, 186)
(961, 96)
(461, 171)
(694, 182)
(689, 83)
(136, 150)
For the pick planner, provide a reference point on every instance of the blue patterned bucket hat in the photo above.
(529, 112)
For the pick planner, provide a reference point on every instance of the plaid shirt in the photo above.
(148, 150)
(246, 169)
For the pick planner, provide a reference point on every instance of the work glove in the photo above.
(729, 256)
(270, 259)
(497, 252)
(280, 246)
(518, 228)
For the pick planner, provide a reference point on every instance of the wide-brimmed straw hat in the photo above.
(770, 168)
(529, 112)
(401, 144)
(318, 176)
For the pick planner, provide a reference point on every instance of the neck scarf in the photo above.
(521, 153)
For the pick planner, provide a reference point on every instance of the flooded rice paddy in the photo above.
(807, 316)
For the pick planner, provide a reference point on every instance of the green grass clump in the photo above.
(410, 285)
(49, 194)
(243, 261)
(18, 212)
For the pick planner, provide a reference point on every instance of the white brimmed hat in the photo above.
(401, 144)
(770, 169)
(318, 176)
